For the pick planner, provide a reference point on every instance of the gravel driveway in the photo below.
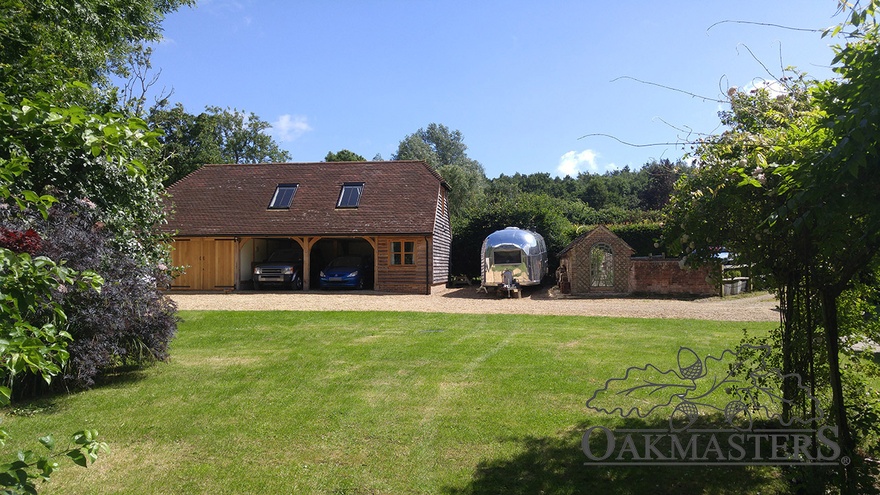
(758, 307)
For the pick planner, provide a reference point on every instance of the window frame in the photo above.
(400, 255)
(273, 205)
(347, 186)
(507, 257)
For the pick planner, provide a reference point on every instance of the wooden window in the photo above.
(350, 195)
(403, 253)
(283, 196)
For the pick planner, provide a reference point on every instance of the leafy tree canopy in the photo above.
(213, 136)
(791, 188)
(43, 42)
(343, 155)
(61, 135)
(647, 188)
(445, 151)
(242, 138)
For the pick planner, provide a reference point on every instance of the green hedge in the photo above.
(640, 236)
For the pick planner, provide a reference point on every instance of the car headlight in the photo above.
(353, 274)
(287, 271)
(322, 274)
(258, 271)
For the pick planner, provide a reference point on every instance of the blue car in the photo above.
(352, 272)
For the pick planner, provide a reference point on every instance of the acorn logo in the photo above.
(725, 395)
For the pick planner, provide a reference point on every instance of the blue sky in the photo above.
(522, 80)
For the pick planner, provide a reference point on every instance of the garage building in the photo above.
(227, 218)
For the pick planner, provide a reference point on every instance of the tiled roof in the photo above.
(599, 229)
(399, 197)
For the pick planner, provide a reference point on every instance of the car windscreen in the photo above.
(289, 256)
(346, 261)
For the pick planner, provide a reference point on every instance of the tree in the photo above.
(595, 190)
(42, 43)
(213, 136)
(187, 141)
(242, 139)
(60, 137)
(835, 196)
(791, 188)
(662, 176)
(445, 152)
(343, 156)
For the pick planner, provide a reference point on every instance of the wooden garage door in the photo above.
(186, 255)
(209, 264)
(219, 265)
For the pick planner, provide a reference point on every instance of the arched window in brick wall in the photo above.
(601, 266)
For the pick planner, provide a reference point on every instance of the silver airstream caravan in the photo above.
(513, 258)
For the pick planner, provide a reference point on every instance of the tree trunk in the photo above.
(788, 318)
(832, 337)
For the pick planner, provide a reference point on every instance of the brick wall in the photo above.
(665, 276)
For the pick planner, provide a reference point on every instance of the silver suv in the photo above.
(284, 268)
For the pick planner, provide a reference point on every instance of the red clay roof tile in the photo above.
(399, 197)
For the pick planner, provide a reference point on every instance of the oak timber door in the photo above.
(207, 264)
(186, 254)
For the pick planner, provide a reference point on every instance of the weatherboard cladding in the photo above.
(399, 197)
(442, 242)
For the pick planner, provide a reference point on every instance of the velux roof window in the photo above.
(350, 196)
(283, 196)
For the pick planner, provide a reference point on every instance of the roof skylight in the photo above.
(283, 196)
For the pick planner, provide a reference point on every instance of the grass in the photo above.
(375, 403)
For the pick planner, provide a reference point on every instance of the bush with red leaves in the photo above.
(27, 241)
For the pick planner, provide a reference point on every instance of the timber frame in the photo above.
(225, 220)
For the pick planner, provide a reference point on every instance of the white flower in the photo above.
(88, 204)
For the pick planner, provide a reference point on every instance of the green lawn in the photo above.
(375, 402)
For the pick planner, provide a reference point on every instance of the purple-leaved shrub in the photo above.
(130, 322)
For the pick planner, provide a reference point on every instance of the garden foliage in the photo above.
(643, 237)
(62, 134)
(790, 187)
(129, 322)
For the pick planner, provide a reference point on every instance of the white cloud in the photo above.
(573, 163)
(290, 127)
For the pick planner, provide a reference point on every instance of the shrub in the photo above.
(27, 241)
(640, 236)
(129, 322)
